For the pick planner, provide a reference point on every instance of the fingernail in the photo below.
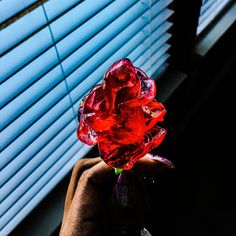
(125, 190)
(167, 163)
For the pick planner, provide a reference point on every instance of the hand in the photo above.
(90, 202)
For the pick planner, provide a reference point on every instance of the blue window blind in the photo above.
(209, 10)
(9, 8)
(51, 56)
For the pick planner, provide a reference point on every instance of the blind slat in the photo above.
(27, 76)
(72, 156)
(103, 37)
(35, 148)
(30, 96)
(51, 162)
(29, 135)
(38, 151)
(54, 8)
(158, 63)
(206, 6)
(204, 1)
(108, 50)
(158, 48)
(163, 39)
(140, 50)
(78, 15)
(25, 52)
(30, 180)
(209, 11)
(19, 30)
(83, 33)
(158, 53)
(32, 114)
(79, 36)
(163, 16)
(9, 8)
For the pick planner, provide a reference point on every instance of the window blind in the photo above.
(51, 56)
(209, 10)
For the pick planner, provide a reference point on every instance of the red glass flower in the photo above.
(121, 115)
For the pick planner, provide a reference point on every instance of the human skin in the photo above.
(89, 205)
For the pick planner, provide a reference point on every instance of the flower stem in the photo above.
(117, 171)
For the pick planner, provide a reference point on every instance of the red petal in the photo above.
(121, 115)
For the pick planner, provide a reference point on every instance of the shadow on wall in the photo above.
(198, 198)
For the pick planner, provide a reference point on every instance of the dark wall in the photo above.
(197, 198)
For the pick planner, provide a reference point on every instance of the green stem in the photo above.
(117, 171)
